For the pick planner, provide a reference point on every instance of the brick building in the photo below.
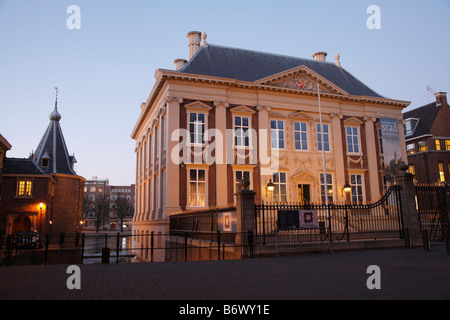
(42, 192)
(427, 134)
(307, 126)
(96, 189)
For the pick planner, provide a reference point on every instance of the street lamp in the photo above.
(347, 187)
(41, 205)
(270, 186)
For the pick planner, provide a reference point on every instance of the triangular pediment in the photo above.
(300, 115)
(305, 175)
(303, 79)
(242, 109)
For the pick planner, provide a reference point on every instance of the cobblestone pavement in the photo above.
(404, 274)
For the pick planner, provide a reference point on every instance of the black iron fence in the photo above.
(110, 247)
(433, 209)
(205, 224)
(334, 222)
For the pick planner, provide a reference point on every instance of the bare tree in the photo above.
(101, 208)
(124, 209)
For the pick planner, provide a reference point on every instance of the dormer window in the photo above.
(410, 126)
(45, 162)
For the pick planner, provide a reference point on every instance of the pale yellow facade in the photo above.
(164, 186)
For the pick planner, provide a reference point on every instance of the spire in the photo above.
(55, 116)
(51, 154)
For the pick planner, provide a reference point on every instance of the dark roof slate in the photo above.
(248, 65)
(21, 166)
(426, 115)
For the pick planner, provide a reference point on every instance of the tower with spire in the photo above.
(43, 192)
(51, 154)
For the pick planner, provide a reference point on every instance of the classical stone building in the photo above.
(427, 133)
(227, 114)
(42, 192)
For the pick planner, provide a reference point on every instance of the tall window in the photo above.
(447, 144)
(197, 187)
(197, 127)
(329, 188)
(326, 139)
(352, 139)
(438, 144)
(24, 188)
(280, 190)
(241, 132)
(300, 136)
(277, 134)
(380, 138)
(441, 171)
(357, 188)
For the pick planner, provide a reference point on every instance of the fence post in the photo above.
(82, 247)
(245, 214)
(151, 247)
(442, 203)
(407, 204)
(218, 244)
(117, 247)
(185, 246)
(46, 248)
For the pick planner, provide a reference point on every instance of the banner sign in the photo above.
(288, 220)
(391, 147)
(302, 219)
(308, 219)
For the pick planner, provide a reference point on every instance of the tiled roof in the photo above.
(53, 147)
(426, 115)
(21, 166)
(248, 65)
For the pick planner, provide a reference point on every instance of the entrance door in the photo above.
(303, 193)
(21, 223)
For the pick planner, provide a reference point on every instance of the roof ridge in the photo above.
(273, 54)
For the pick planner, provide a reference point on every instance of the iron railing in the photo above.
(336, 222)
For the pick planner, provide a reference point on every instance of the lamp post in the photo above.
(41, 205)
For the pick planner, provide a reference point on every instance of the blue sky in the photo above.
(106, 69)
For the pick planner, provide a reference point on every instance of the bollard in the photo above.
(105, 255)
(426, 241)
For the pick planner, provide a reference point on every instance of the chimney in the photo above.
(194, 43)
(320, 56)
(441, 99)
(179, 63)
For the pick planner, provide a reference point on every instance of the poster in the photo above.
(391, 147)
(308, 219)
(227, 221)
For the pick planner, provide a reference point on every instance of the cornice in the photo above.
(163, 75)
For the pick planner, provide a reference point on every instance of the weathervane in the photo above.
(56, 100)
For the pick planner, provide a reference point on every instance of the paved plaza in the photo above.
(404, 274)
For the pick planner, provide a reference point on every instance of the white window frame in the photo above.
(353, 136)
(196, 107)
(331, 197)
(196, 124)
(354, 187)
(319, 136)
(243, 136)
(188, 186)
(277, 131)
(277, 182)
(300, 131)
